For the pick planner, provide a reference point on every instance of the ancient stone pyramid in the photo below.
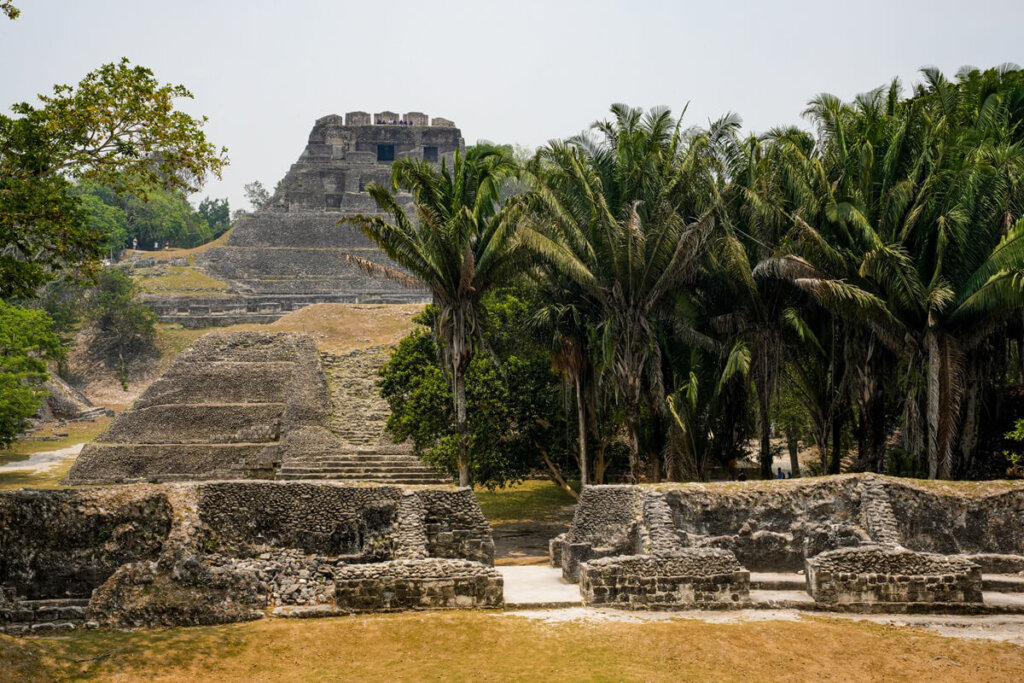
(293, 253)
(237, 406)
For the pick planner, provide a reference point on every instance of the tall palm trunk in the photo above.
(460, 363)
(793, 443)
(633, 431)
(945, 389)
(764, 423)
(581, 421)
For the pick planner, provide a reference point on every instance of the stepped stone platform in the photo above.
(293, 253)
(865, 543)
(226, 551)
(358, 421)
(255, 405)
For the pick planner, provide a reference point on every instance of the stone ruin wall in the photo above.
(632, 532)
(701, 578)
(216, 552)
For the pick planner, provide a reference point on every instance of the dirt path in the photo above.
(37, 463)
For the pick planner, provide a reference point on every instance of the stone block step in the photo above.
(1002, 583)
(391, 479)
(357, 471)
(356, 461)
(777, 581)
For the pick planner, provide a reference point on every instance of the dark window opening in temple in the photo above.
(430, 154)
(385, 152)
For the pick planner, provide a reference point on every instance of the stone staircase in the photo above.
(358, 420)
(44, 616)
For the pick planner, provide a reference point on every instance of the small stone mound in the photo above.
(690, 577)
(418, 584)
(875, 574)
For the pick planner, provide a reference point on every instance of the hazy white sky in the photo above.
(517, 71)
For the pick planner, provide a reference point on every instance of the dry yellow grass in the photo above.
(345, 327)
(179, 279)
(189, 254)
(492, 647)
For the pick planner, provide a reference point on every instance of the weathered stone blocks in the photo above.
(876, 574)
(706, 578)
(418, 584)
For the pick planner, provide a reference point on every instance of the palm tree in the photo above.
(460, 243)
(617, 216)
(565, 327)
(911, 232)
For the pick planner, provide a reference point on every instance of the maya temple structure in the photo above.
(293, 252)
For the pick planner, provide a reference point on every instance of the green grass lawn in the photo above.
(533, 500)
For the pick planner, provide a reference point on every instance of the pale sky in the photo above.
(517, 71)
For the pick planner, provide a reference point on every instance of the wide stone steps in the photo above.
(369, 458)
(356, 470)
(44, 616)
(398, 478)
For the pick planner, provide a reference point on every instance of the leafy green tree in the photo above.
(7, 7)
(116, 127)
(217, 215)
(461, 245)
(257, 195)
(27, 342)
(108, 221)
(125, 326)
(516, 420)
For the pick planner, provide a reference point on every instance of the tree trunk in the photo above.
(581, 423)
(794, 451)
(599, 464)
(633, 430)
(837, 446)
(460, 363)
(944, 392)
(764, 405)
(556, 476)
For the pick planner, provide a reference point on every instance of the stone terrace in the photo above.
(358, 420)
(293, 253)
(259, 406)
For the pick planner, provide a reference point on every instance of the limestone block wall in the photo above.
(214, 552)
(869, 575)
(63, 544)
